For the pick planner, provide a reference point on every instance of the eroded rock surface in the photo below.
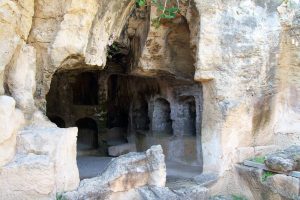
(126, 172)
(139, 176)
(285, 160)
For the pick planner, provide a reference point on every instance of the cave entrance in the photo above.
(117, 113)
(87, 134)
(73, 101)
(188, 109)
(162, 122)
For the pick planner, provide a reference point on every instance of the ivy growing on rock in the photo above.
(166, 9)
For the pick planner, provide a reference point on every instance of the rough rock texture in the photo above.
(45, 163)
(139, 176)
(60, 146)
(15, 24)
(244, 53)
(11, 119)
(285, 160)
(28, 177)
(126, 172)
(277, 186)
(21, 77)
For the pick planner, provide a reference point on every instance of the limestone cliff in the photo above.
(242, 57)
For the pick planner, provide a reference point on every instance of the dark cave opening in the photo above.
(87, 134)
(85, 89)
(162, 122)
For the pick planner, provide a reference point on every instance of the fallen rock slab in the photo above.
(124, 173)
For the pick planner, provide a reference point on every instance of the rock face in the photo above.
(285, 160)
(229, 71)
(45, 163)
(276, 186)
(11, 119)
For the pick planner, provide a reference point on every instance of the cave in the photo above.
(127, 102)
(87, 134)
(116, 110)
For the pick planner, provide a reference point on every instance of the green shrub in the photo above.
(238, 197)
(266, 174)
(259, 159)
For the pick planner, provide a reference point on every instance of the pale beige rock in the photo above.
(287, 186)
(15, 24)
(11, 119)
(60, 146)
(124, 173)
(113, 15)
(28, 177)
(21, 78)
(73, 34)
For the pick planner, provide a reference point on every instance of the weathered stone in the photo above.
(285, 185)
(121, 149)
(21, 77)
(11, 119)
(126, 172)
(60, 146)
(206, 179)
(28, 177)
(285, 160)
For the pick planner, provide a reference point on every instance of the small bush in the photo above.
(59, 196)
(238, 197)
(265, 175)
(259, 159)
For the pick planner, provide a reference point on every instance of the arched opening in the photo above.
(140, 118)
(87, 134)
(188, 109)
(58, 121)
(161, 119)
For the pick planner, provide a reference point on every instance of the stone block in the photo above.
(28, 177)
(60, 145)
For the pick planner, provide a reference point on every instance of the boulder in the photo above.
(124, 173)
(287, 186)
(285, 160)
(60, 146)
(121, 149)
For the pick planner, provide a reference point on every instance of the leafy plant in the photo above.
(59, 196)
(259, 159)
(113, 50)
(141, 3)
(238, 197)
(166, 9)
(266, 174)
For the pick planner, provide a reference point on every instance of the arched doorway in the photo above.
(87, 134)
(161, 119)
